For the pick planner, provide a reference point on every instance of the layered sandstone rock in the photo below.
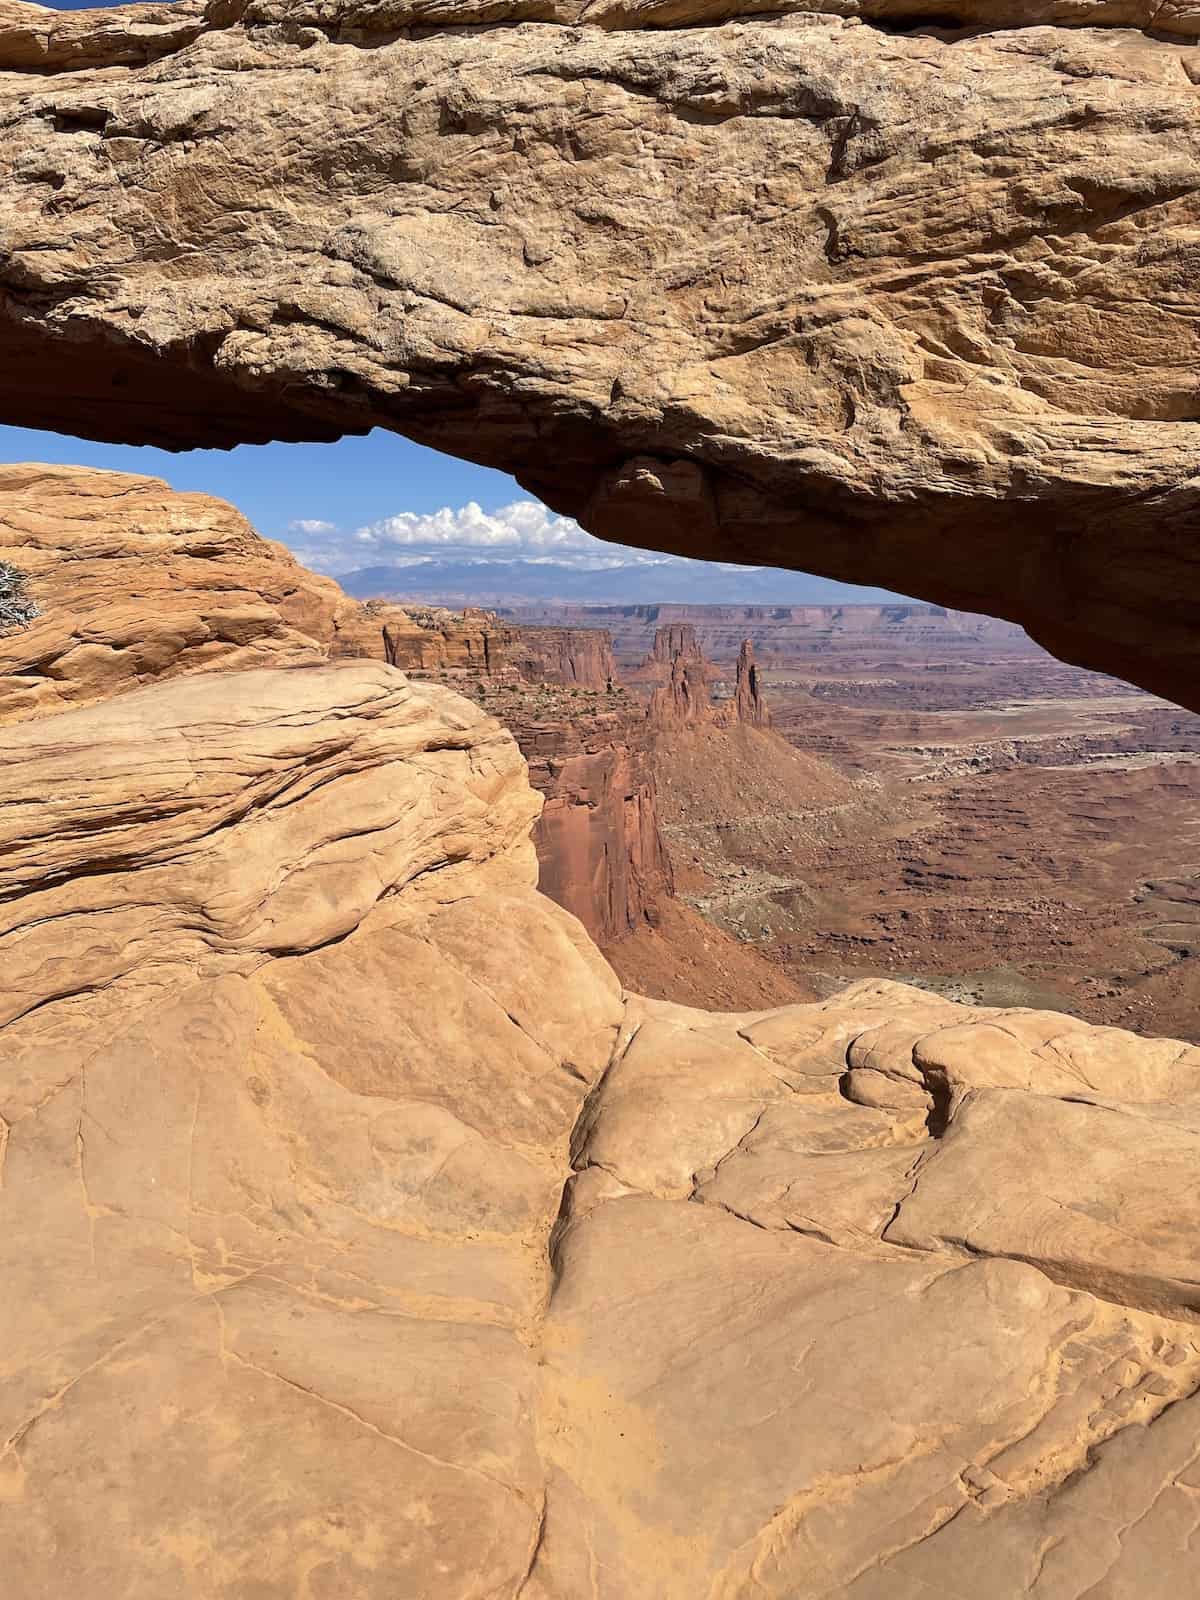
(579, 657)
(361, 1236)
(748, 703)
(135, 583)
(683, 701)
(784, 635)
(671, 641)
(289, 1303)
(946, 343)
(424, 640)
(286, 1093)
(599, 844)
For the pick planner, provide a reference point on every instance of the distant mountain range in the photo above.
(515, 583)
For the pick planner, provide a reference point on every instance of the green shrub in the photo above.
(17, 609)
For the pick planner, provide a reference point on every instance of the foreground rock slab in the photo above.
(361, 1234)
(904, 309)
(286, 1115)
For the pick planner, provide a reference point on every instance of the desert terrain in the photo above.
(970, 815)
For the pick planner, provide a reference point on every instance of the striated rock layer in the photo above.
(840, 1299)
(781, 635)
(910, 308)
(580, 657)
(136, 582)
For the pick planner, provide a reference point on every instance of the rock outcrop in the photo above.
(286, 1095)
(684, 700)
(784, 635)
(598, 840)
(136, 583)
(361, 1235)
(297, 1069)
(573, 657)
(425, 640)
(884, 1371)
(683, 695)
(955, 354)
(748, 704)
(671, 641)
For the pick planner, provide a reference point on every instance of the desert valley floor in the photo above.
(969, 815)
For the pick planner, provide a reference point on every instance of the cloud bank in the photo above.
(522, 531)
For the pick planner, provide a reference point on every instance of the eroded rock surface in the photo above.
(136, 582)
(360, 1232)
(902, 308)
(251, 1264)
(361, 1235)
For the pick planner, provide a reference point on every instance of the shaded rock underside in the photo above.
(803, 290)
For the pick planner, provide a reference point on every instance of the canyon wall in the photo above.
(424, 639)
(782, 635)
(572, 656)
(598, 840)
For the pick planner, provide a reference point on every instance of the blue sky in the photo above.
(382, 501)
(352, 483)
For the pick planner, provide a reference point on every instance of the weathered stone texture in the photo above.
(902, 308)
(360, 1236)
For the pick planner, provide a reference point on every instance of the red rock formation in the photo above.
(678, 639)
(578, 656)
(683, 701)
(424, 640)
(599, 847)
(747, 700)
(683, 697)
(782, 634)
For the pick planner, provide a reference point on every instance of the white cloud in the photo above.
(517, 531)
(523, 531)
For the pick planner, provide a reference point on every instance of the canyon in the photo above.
(941, 802)
(365, 1230)
(1009, 831)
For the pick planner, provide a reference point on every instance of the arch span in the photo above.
(914, 309)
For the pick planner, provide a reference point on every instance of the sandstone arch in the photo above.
(908, 309)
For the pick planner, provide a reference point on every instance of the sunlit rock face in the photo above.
(362, 1236)
(800, 290)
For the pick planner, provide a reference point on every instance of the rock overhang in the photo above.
(909, 308)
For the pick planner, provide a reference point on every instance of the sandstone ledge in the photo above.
(901, 309)
(360, 1232)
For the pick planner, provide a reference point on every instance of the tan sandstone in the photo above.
(907, 307)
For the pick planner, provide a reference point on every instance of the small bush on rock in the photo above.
(17, 609)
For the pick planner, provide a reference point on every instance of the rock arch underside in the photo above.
(361, 1237)
(818, 290)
